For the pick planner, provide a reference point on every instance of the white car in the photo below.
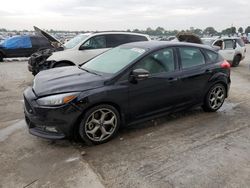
(86, 46)
(79, 49)
(231, 48)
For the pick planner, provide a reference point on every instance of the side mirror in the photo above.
(139, 74)
(85, 48)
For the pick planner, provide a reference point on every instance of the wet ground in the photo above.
(187, 149)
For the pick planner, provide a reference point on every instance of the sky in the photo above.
(94, 15)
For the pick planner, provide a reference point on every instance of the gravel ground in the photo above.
(187, 149)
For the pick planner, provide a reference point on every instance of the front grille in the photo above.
(27, 106)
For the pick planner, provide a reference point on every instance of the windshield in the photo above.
(114, 60)
(208, 42)
(75, 41)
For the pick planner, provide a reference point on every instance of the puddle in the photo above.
(6, 132)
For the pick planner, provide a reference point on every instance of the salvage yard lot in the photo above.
(186, 149)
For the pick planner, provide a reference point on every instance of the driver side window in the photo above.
(95, 43)
(158, 62)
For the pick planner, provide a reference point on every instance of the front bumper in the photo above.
(49, 122)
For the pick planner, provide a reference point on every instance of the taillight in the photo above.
(225, 65)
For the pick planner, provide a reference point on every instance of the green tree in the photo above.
(136, 31)
(227, 31)
(247, 30)
(240, 30)
(150, 31)
(159, 31)
(210, 31)
(197, 31)
(233, 30)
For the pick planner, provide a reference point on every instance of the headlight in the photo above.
(56, 100)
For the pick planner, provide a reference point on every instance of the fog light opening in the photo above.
(51, 129)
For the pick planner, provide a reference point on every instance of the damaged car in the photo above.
(23, 46)
(80, 49)
(125, 85)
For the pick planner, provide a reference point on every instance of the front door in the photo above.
(160, 91)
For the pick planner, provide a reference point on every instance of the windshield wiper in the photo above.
(88, 70)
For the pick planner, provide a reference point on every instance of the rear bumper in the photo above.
(49, 122)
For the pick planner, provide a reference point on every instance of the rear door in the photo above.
(161, 91)
(195, 73)
(228, 50)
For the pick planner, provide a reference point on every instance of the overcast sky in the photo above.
(123, 14)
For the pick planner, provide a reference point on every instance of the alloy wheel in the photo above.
(216, 97)
(101, 124)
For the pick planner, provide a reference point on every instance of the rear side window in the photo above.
(116, 40)
(213, 56)
(135, 38)
(119, 39)
(191, 57)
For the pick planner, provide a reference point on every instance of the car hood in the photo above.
(65, 79)
(49, 37)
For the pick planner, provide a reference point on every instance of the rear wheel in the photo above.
(100, 124)
(236, 61)
(214, 98)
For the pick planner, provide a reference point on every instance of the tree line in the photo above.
(207, 31)
(160, 31)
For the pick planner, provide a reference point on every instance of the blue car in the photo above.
(22, 46)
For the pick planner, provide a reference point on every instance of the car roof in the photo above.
(117, 32)
(154, 45)
(218, 38)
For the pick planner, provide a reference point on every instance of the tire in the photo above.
(1, 57)
(94, 130)
(236, 61)
(214, 98)
(34, 73)
(62, 64)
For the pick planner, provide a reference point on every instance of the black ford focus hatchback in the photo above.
(125, 85)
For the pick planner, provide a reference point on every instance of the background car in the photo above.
(22, 46)
(231, 48)
(125, 85)
(84, 47)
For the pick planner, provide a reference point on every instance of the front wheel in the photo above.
(100, 124)
(214, 98)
